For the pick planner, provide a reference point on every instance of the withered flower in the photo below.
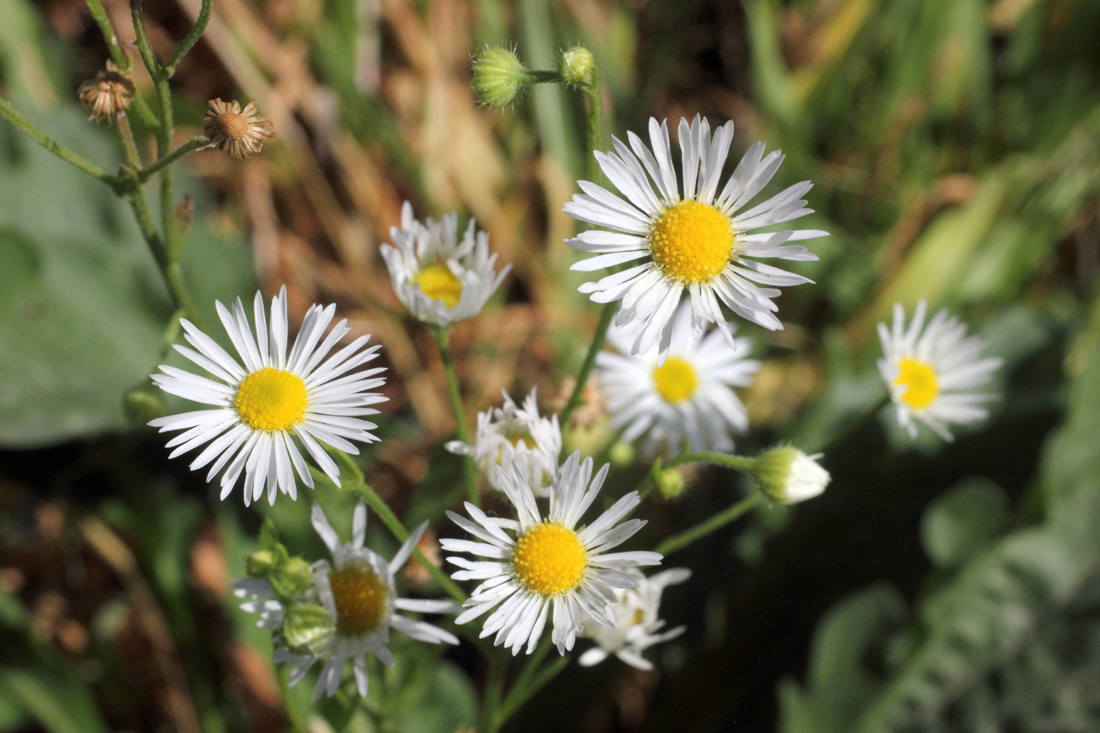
(107, 94)
(239, 133)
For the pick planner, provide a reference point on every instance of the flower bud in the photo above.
(308, 628)
(144, 403)
(498, 77)
(787, 475)
(670, 482)
(291, 578)
(621, 454)
(576, 65)
(260, 563)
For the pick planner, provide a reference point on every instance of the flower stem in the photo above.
(129, 145)
(99, 15)
(293, 714)
(853, 427)
(739, 463)
(494, 689)
(191, 38)
(685, 538)
(595, 123)
(14, 116)
(196, 143)
(518, 695)
(469, 468)
(589, 361)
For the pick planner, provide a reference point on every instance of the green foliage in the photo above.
(962, 521)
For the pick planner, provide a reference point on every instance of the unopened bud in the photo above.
(576, 65)
(260, 563)
(144, 403)
(498, 77)
(308, 628)
(621, 454)
(291, 578)
(670, 482)
(787, 475)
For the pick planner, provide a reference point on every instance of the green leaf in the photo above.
(59, 702)
(962, 521)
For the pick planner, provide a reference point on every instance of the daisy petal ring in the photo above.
(541, 569)
(264, 409)
(932, 370)
(687, 239)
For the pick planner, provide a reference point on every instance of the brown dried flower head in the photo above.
(235, 131)
(107, 94)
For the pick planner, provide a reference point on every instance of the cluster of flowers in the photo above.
(669, 386)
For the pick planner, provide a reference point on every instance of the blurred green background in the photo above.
(955, 151)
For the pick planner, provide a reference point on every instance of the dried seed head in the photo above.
(237, 132)
(107, 94)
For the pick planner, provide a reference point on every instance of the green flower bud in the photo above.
(260, 563)
(291, 578)
(498, 77)
(670, 482)
(787, 475)
(621, 454)
(308, 628)
(576, 65)
(144, 403)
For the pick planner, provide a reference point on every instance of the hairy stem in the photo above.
(594, 348)
(191, 38)
(196, 143)
(469, 469)
(685, 538)
(14, 116)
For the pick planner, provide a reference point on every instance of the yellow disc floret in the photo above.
(691, 242)
(360, 597)
(549, 559)
(676, 380)
(521, 439)
(919, 380)
(271, 399)
(439, 283)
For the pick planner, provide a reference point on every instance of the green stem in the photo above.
(293, 714)
(595, 123)
(469, 468)
(129, 145)
(685, 538)
(99, 15)
(191, 38)
(14, 116)
(141, 40)
(494, 689)
(853, 426)
(739, 463)
(544, 77)
(196, 143)
(517, 696)
(589, 361)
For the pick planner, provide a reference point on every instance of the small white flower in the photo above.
(541, 566)
(637, 626)
(357, 590)
(439, 279)
(788, 476)
(932, 371)
(264, 409)
(687, 402)
(693, 240)
(508, 436)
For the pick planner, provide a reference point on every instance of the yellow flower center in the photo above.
(919, 380)
(549, 559)
(439, 283)
(691, 242)
(518, 440)
(676, 380)
(360, 597)
(271, 399)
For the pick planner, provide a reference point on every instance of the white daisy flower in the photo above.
(357, 590)
(265, 408)
(931, 371)
(538, 566)
(636, 624)
(508, 436)
(687, 402)
(439, 279)
(692, 240)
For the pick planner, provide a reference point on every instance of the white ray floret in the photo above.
(637, 625)
(686, 403)
(510, 436)
(547, 569)
(266, 403)
(689, 235)
(358, 592)
(932, 370)
(440, 279)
